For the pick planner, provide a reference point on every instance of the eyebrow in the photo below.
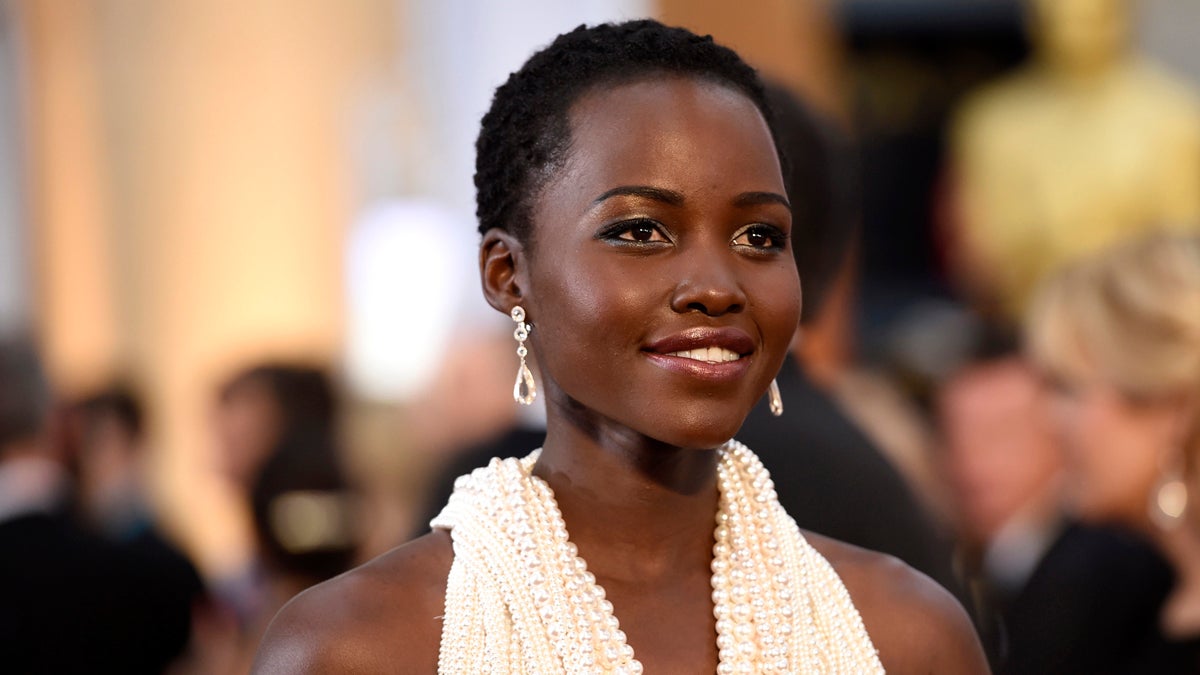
(657, 194)
(757, 198)
(674, 198)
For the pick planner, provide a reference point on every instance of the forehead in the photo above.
(680, 133)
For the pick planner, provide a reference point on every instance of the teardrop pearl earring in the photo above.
(525, 389)
(774, 400)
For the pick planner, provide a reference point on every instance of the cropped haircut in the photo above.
(525, 135)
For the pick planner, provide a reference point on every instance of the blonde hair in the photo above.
(1130, 315)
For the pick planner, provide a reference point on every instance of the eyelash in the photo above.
(613, 232)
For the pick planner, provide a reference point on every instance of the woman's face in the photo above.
(248, 423)
(1115, 448)
(659, 280)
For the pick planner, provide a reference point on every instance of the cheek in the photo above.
(777, 296)
(590, 319)
(1114, 465)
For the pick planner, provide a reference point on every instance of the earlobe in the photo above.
(501, 268)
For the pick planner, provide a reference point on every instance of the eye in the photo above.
(761, 237)
(641, 231)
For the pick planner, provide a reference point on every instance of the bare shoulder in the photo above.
(916, 625)
(385, 616)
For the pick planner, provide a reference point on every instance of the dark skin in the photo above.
(668, 217)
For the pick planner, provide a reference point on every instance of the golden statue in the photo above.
(1087, 144)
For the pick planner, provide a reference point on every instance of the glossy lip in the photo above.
(733, 339)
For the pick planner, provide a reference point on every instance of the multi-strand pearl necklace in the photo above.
(519, 598)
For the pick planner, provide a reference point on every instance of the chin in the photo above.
(700, 434)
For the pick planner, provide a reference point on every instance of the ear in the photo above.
(502, 269)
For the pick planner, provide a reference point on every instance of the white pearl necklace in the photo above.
(519, 598)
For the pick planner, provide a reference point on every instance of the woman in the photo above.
(631, 202)
(1119, 336)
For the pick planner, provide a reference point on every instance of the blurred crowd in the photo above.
(997, 380)
(89, 581)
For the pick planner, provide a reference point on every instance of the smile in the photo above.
(708, 354)
(715, 355)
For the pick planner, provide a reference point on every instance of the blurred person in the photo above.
(257, 409)
(1083, 147)
(1053, 596)
(1002, 466)
(110, 458)
(303, 523)
(109, 462)
(70, 601)
(303, 516)
(263, 412)
(34, 478)
(1118, 336)
(111, 491)
(260, 405)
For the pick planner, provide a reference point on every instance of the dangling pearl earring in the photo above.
(525, 389)
(774, 400)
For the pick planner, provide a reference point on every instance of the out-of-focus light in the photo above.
(408, 266)
(309, 520)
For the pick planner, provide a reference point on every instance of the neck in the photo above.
(637, 509)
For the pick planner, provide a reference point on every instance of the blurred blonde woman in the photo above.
(1118, 335)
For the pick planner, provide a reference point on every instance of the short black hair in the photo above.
(526, 133)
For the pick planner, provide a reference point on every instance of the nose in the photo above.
(708, 284)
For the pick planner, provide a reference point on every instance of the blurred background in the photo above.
(251, 223)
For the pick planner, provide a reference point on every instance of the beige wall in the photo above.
(189, 191)
(67, 200)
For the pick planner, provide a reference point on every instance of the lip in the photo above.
(735, 340)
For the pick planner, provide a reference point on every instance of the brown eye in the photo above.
(760, 237)
(642, 232)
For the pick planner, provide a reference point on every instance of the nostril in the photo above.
(714, 309)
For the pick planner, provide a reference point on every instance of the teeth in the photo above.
(708, 354)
